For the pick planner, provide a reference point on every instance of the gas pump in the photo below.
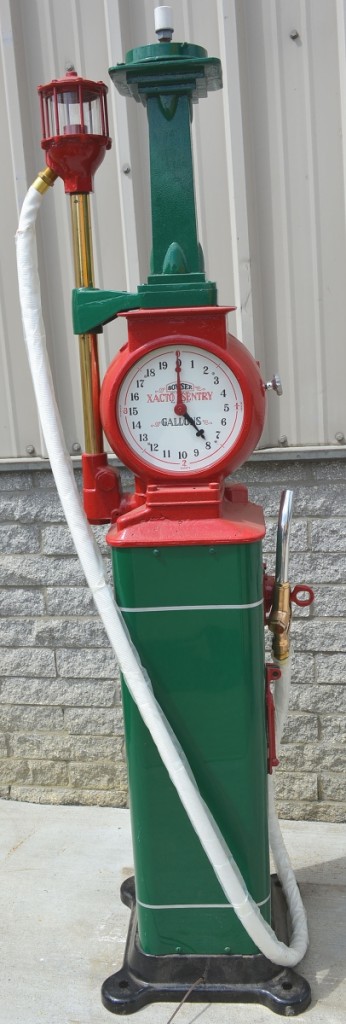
(182, 405)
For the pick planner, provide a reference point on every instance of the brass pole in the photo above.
(88, 351)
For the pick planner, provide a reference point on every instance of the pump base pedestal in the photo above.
(146, 979)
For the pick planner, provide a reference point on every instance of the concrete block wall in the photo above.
(61, 731)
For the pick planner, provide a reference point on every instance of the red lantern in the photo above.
(74, 128)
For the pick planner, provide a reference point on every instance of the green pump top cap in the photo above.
(167, 59)
(166, 77)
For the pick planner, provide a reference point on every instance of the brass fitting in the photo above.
(280, 620)
(45, 179)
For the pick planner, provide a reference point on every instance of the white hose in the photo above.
(137, 681)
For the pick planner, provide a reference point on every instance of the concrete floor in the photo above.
(63, 926)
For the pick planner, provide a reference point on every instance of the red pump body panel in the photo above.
(183, 516)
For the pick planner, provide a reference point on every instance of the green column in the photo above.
(168, 78)
(175, 245)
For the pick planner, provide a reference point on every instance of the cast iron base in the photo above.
(226, 979)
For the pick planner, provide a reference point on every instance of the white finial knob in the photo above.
(164, 27)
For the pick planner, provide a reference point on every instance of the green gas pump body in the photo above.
(194, 611)
(195, 615)
(188, 578)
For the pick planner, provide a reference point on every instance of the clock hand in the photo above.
(180, 407)
(199, 433)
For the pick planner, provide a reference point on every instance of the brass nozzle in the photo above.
(280, 621)
(45, 179)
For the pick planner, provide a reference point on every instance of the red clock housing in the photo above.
(202, 328)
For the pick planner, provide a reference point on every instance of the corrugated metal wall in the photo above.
(270, 175)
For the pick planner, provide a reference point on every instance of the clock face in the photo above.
(180, 409)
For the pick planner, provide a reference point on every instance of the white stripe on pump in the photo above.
(196, 607)
(194, 906)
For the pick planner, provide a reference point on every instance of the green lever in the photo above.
(92, 307)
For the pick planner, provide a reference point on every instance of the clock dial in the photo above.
(180, 409)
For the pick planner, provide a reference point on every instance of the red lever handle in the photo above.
(272, 673)
(302, 589)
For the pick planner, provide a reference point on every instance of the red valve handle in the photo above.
(302, 589)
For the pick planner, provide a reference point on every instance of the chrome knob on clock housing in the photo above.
(274, 384)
